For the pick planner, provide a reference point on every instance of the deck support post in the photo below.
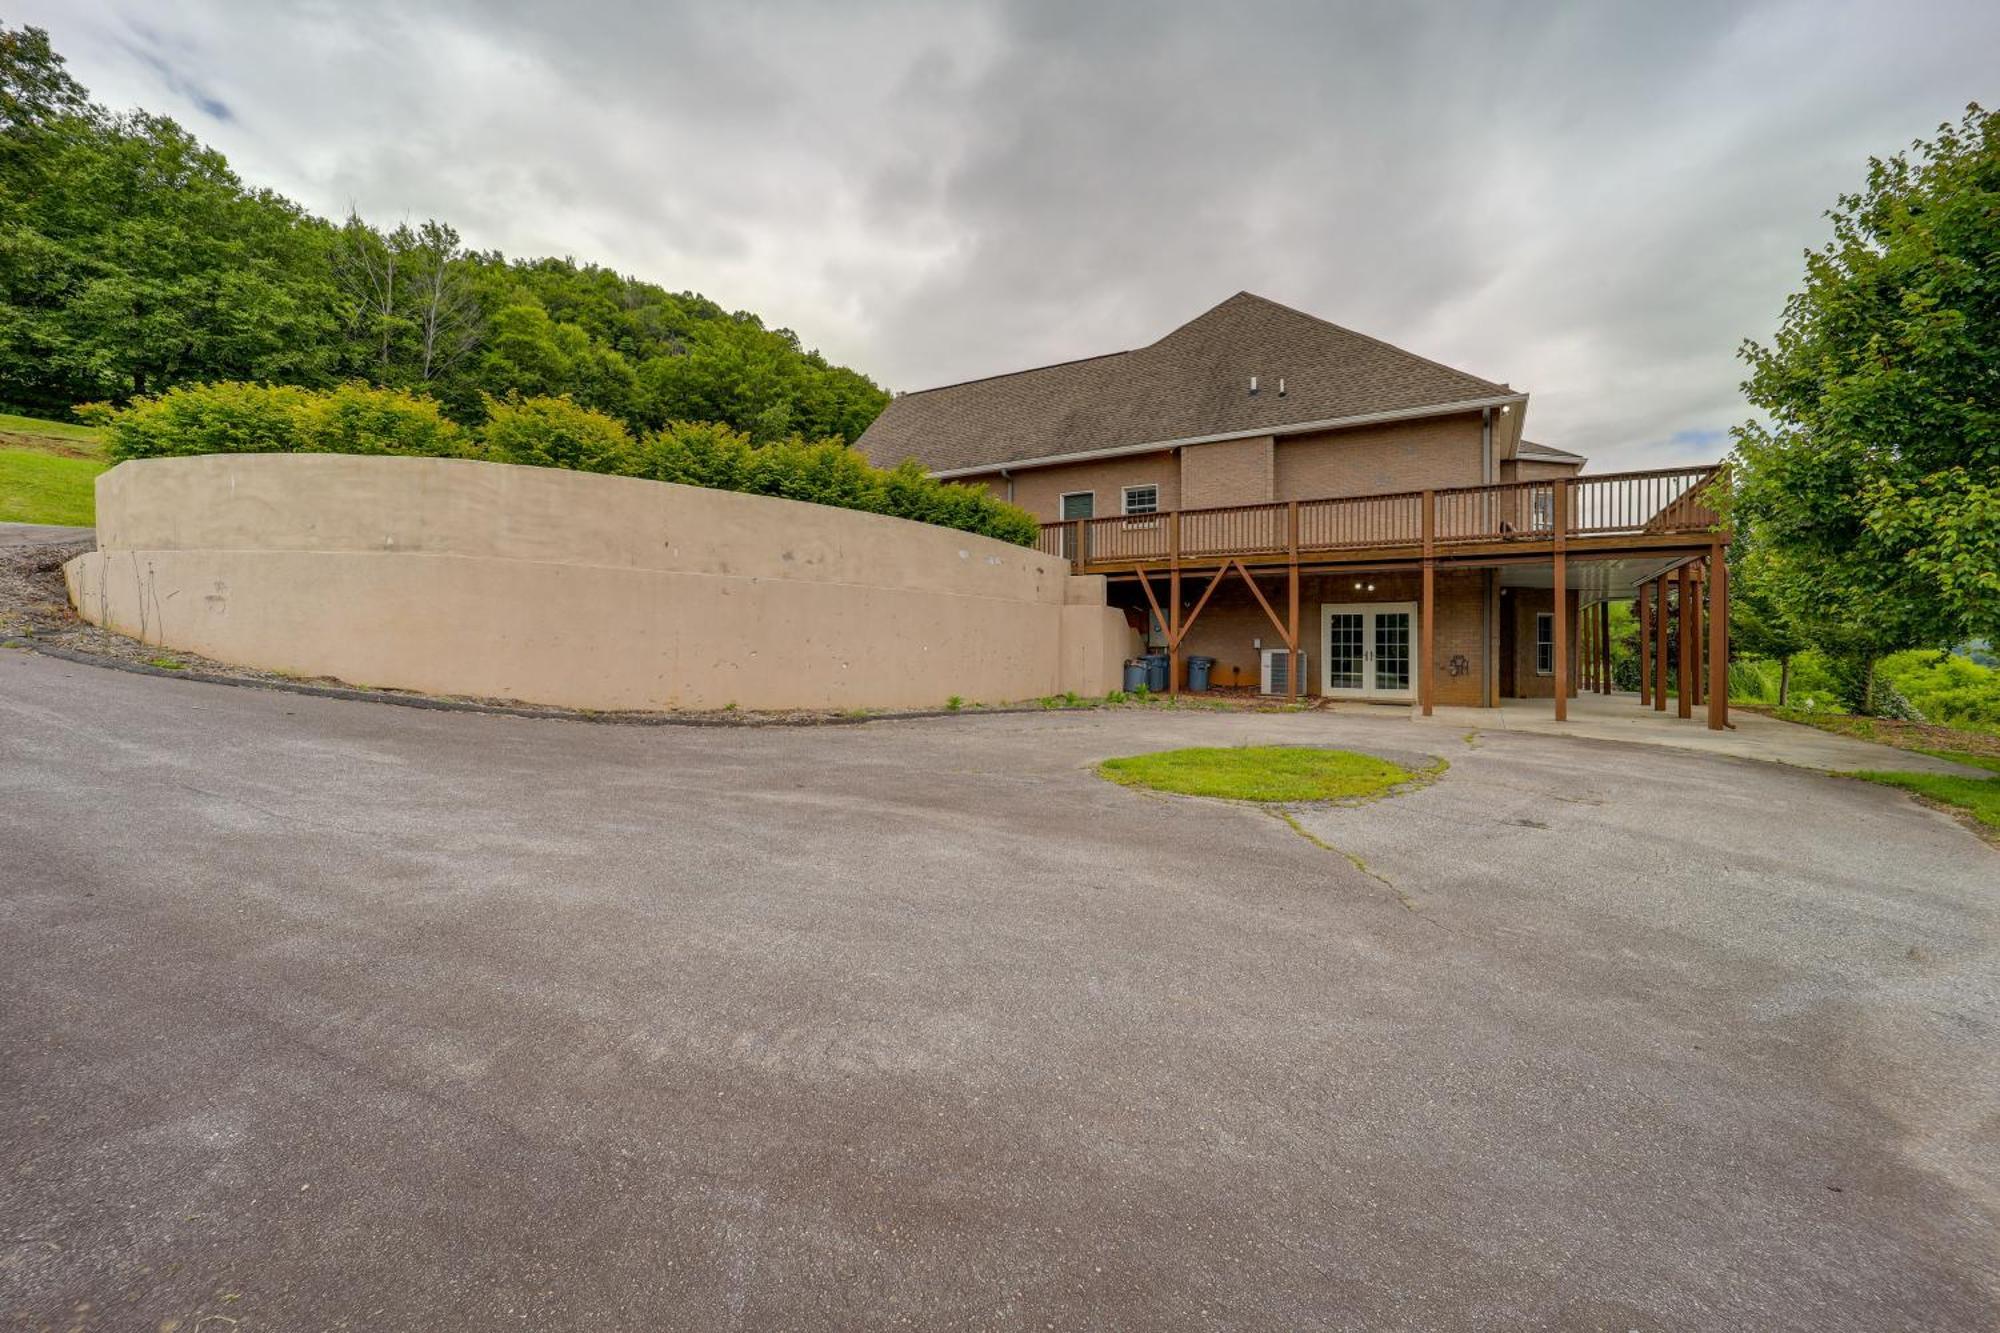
(1426, 628)
(1701, 635)
(1561, 622)
(1174, 606)
(1718, 639)
(1645, 644)
(1690, 625)
(1582, 644)
(1292, 572)
(1660, 631)
(1604, 647)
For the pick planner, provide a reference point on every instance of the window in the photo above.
(1545, 643)
(1142, 499)
(1079, 504)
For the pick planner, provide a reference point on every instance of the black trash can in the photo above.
(1135, 674)
(1156, 672)
(1198, 669)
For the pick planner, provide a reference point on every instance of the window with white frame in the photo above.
(1142, 499)
(1545, 643)
(1078, 504)
(1544, 512)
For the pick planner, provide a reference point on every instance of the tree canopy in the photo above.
(133, 260)
(1871, 493)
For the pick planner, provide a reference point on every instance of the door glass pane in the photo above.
(1343, 650)
(1080, 504)
(1392, 651)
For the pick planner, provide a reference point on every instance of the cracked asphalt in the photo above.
(322, 1014)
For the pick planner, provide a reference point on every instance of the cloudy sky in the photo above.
(1594, 202)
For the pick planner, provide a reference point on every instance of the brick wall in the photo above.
(1230, 472)
(1365, 460)
(1522, 605)
(1040, 490)
(1232, 620)
(1372, 460)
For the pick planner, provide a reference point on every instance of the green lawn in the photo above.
(1259, 773)
(1978, 797)
(47, 471)
(68, 432)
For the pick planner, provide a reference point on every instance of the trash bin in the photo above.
(1198, 669)
(1156, 672)
(1135, 675)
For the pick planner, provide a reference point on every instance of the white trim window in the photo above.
(1077, 504)
(1140, 499)
(1545, 643)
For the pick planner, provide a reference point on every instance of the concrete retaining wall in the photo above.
(566, 588)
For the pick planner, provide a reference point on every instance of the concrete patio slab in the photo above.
(1619, 717)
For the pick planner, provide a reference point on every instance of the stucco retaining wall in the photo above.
(566, 588)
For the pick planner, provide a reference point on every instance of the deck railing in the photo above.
(1666, 501)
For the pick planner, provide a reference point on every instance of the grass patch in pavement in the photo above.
(1260, 773)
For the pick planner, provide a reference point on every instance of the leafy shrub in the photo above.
(233, 417)
(556, 432)
(542, 431)
(1945, 688)
(828, 473)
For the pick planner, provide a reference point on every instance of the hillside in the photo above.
(132, 259)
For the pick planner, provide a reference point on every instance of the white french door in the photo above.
(1370, 650)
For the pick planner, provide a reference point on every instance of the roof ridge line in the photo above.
(1498, 385)
(1010, 374)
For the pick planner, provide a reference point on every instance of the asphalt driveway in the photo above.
(322, 1014)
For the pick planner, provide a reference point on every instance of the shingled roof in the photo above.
(1547, 453)
(1192, 384)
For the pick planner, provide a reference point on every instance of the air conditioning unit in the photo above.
(1276, 666)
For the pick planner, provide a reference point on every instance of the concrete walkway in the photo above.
(1619, 717)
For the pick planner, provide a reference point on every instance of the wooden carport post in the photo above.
(1690, 625)
(1561, 625)
(1174, 605)
(1645, 644)
(1427, 644)
(1718, 639)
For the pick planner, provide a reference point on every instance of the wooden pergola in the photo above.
(1653, 516)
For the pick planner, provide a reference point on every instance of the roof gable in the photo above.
(1191, 384)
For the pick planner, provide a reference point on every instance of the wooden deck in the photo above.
(1621, 514)
(1617, 513)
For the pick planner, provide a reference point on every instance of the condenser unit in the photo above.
(1277, 663)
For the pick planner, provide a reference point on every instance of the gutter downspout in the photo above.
(1008, 477)
(1486, 445)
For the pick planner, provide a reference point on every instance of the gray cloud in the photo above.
(1593, 202)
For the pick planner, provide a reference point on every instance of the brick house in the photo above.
(1317, 510)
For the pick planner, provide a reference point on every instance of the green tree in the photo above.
(1759, 625)
(1873, 487)
(35, 89)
